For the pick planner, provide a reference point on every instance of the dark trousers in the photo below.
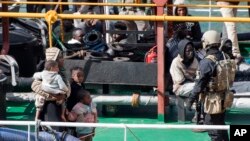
(248, 4)
(52, 112)
(216, 119)
(8, 134)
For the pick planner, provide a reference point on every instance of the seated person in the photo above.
(88, 25)
(119, 26)
(75, 45)
(142, 25)
(85, 8)
(192, 29)
(131, 25)
(172, 46)
(123, 38)
(68, 28)
(121, 41)
(183, 68)
(77, 37)
(243, 67)
(117, 38)
(80, 43)
(136, 25)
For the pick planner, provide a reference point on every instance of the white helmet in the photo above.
(210, 37)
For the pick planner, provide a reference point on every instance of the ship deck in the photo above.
(139, 115)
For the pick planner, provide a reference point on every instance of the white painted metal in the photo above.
(119, 125)
(124, 126)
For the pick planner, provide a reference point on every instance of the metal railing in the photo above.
(110, 125)
(51, 16)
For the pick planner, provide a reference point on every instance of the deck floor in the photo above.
(142, 115)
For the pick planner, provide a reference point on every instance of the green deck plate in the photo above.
(17, 111)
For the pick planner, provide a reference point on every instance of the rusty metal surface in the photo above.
(5, 30)
(116, 73)
(160, 62)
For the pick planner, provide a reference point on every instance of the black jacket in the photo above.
(73, 98)
(192, 29)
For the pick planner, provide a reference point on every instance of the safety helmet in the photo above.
(210, 37)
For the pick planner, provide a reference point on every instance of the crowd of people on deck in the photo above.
(58, 99)
(192, 59)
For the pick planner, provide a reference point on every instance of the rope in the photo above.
(37, 125)
(51, 131)
(154, 94)
(135, 100)
(94, 133)
(132, 133)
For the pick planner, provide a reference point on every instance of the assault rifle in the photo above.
(198, 111)
(199, 108)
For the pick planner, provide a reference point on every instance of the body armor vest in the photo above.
(225, 74)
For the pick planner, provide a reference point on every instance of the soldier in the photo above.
(216, 75)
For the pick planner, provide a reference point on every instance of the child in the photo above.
(77, 76)
(84, 111)
(52, 83)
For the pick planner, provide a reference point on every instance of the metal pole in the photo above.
(125, 133)
(170, 23)
(28, 132)
(160, 60)
(118, 125)
(4, 51)
(3, 102)
(5, 27)
(210, 14)
(129, 17)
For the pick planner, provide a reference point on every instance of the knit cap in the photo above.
(52, 53)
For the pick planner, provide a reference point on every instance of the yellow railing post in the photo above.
(50, 17)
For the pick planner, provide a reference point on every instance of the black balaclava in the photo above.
(226, 46)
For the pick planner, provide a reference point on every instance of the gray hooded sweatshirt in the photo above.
(52, 82)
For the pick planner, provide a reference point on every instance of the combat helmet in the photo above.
(211, 38)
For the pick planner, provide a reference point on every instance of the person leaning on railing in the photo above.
(88, 25)
(76, 45)
(68, 27)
